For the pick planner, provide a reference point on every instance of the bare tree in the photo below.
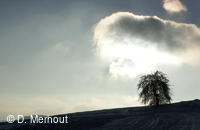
(154, 89)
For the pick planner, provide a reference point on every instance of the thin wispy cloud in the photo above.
(136, 44)
(61, 48)
(174, 6)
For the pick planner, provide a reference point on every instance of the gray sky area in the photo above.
(50, 63)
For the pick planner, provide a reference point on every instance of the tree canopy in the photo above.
(154, 89)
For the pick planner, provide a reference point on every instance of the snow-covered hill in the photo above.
(178, 116)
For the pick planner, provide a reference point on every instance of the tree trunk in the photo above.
(157, 100)
(156, 96)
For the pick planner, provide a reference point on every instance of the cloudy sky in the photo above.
(70, 55)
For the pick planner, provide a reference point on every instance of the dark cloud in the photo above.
(164, 34)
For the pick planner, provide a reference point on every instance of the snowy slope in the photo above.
(177, 116)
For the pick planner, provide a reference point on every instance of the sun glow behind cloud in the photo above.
(135, 44)
(128, 59)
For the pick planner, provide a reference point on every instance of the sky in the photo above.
(67, 56)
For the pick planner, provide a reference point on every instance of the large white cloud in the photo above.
(135, 44)
(174, 6)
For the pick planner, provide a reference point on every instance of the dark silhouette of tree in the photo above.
(154, 89)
